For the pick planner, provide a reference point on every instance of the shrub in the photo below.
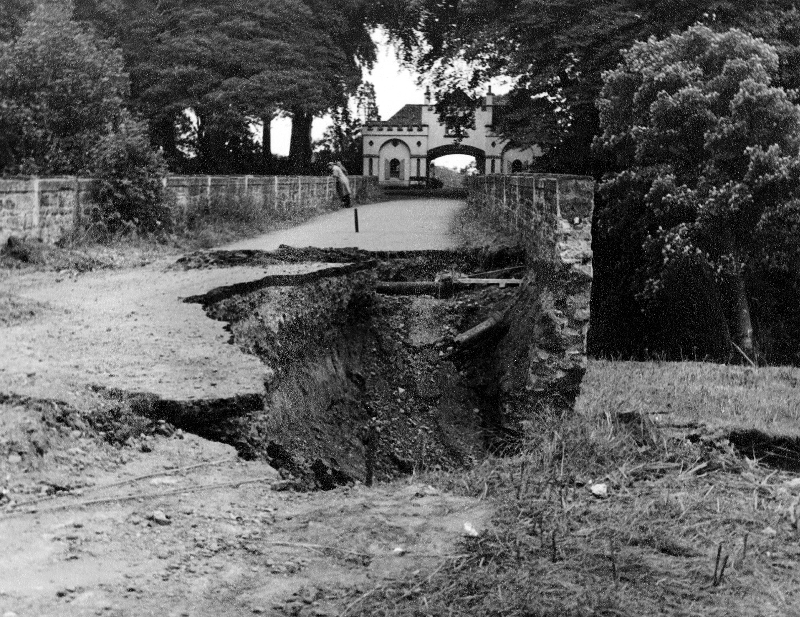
(60, 85)
(128, 187)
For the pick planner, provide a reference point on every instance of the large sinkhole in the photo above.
(365, 379)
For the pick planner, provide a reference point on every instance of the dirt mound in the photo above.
(44, 448)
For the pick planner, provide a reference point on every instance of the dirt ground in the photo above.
(104, 511)
(190, 529)
(141, 518)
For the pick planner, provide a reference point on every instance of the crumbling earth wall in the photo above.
(359, 384)
(540, 359)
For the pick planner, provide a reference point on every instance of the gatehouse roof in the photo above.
(409, 115)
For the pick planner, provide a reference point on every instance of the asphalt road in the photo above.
(409, 224)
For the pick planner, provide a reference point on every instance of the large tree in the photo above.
(13, 15)
(205, 71)
(709, 147)
(61, 89)
(555, 51)
(334, 56)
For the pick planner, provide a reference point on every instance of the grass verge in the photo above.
(688, 527)
(474, 227)
(93, 249)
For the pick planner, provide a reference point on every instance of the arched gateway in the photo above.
(400, 149)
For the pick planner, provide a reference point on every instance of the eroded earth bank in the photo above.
(121, 499)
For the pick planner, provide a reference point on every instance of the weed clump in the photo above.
(681, 526)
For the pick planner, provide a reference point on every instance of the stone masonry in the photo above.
(50, 209)
(541, 358)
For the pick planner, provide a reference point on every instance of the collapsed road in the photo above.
(307, 366)
(145, 411)
(334, 364)
(361, 384)
(311, 368)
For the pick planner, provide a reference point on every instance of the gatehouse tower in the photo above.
(399, 150)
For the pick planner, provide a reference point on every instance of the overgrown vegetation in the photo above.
(61, 87)
(688, 527)
(128, 190)
(62, 92)
(224, 220)
(707, 194)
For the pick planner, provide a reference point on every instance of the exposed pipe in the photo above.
(493, 322)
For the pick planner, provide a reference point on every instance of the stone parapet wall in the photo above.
(50, 209)
(541, 358)
(43, 208)
(275, 193)
(543, 211)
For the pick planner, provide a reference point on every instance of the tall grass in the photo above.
(226, 219)
(96, 245)
(688, 527)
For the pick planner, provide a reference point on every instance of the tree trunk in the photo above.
(202, 146)
(266, 146)
(300, 142)
(742, 327)
(164, 135)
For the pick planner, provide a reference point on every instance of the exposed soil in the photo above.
(189, 528)
(360, 384)
(125, 496)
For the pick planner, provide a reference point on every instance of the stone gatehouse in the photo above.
(400, 150)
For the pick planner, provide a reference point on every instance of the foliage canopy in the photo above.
(555, 52)
(233, 64)
(61, 88)
(709, 151)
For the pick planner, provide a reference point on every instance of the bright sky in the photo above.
(395, 86)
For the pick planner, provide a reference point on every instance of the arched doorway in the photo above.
(394, 162)
(450, 171)
(478, 154)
